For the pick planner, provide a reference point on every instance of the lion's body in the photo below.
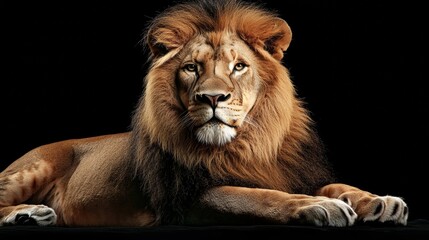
(80, 179)
(219, 134)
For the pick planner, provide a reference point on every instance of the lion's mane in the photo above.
(277, 149)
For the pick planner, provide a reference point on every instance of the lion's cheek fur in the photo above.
(159, 111)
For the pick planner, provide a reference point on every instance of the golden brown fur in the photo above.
(218, 134)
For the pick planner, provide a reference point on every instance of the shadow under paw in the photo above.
(377, 223)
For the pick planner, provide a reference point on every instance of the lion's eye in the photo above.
(239, 67)
(191, 67)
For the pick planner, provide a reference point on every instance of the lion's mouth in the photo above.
(216, 120)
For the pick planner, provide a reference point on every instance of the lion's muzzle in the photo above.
(212, 116)
(212, 100)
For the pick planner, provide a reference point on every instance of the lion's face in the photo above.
(216, 79)
(217, 84)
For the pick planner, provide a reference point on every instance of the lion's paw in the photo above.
(386, 209)
(31, 215)
(327, 212)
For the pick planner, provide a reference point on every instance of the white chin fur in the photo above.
(215, 134)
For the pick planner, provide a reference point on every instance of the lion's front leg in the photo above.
(369, 207)
(242, 203)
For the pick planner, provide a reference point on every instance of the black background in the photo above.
(72, 70)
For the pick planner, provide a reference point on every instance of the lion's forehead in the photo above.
(227, 49)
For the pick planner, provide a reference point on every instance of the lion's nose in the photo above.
(212, 100)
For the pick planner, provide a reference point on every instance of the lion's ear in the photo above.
(278, 38)
(273, 36)
(161, 41)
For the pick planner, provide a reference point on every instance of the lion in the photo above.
(219, 136)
